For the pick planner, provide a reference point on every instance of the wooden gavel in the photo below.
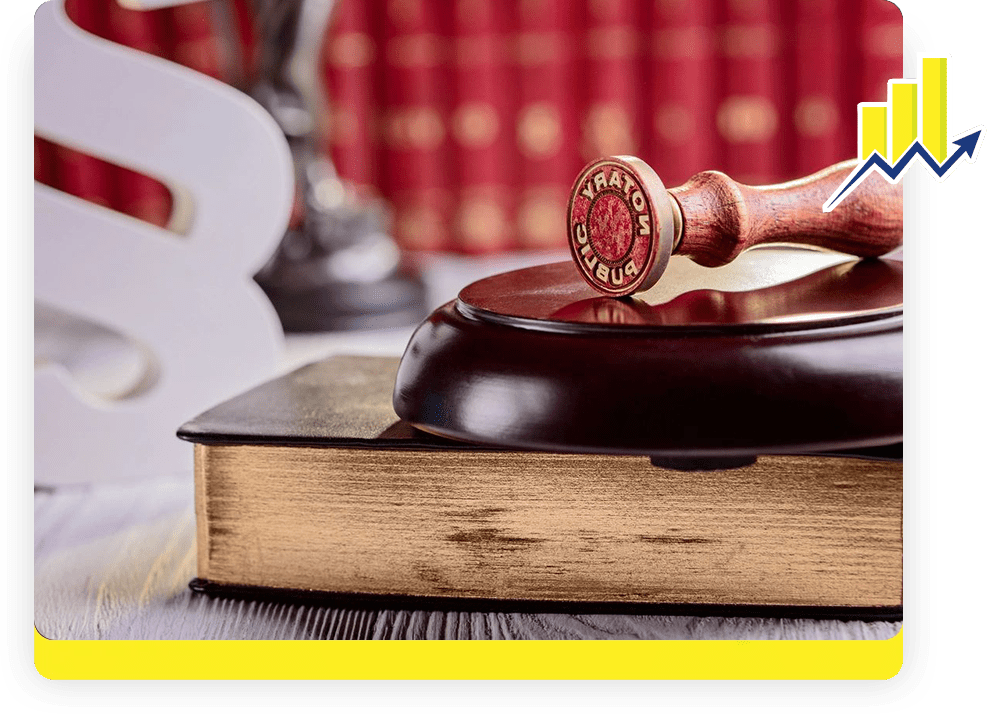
(623, 225)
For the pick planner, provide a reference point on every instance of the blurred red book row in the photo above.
(472, 117)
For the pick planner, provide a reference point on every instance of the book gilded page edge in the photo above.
(201, 514)
(499, 532)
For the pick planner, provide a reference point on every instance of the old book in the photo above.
(309, 485)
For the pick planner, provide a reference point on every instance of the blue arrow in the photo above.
(966, 143)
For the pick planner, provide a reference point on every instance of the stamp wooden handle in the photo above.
(623, 225)
(721, 218)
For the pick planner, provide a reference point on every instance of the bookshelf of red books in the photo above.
(472, 117)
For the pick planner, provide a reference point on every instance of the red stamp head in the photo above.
(614, 225)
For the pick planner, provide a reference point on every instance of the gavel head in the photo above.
(621, 225)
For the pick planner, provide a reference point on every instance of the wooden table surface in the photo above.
(113, 560)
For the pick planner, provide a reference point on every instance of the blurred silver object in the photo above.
(338, 267)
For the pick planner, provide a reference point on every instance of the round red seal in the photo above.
(613, 226)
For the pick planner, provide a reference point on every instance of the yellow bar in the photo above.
(873, 130)
(934, 106)
(532, 659)
(904, 117)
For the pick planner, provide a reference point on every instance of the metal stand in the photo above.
(336, 268)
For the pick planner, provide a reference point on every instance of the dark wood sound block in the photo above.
(785, 350)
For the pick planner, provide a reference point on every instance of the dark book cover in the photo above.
(310, 487)
(343, 401)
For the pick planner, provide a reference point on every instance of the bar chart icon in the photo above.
(910, 125)
(934, 106)
(913, 107)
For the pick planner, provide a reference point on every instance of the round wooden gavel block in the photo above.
(620, 224)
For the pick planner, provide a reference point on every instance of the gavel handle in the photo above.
(721, 218)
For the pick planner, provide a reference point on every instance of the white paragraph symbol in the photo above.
(184, 302)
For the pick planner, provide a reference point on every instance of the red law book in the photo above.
(880, 48)
(135, 194)
(612, 79)
(482, 126)
(416, 152)
(547, 125)
(816, 116)
(349, 57)
(194, 40)
(750, 114)
(870, 54)
(681, 103)
(44, 161)
(245, 37)
(75, 172)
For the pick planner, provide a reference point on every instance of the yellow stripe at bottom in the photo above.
(709, 659)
